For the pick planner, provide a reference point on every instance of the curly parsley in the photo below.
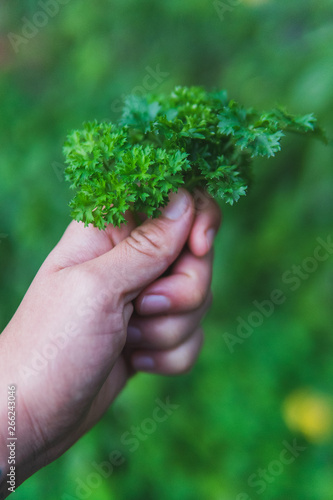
(190, 138)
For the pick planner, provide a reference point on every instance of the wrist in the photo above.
(18, 446)
(7, 446)
(4, 467)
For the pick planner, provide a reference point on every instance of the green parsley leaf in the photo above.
(190, 138)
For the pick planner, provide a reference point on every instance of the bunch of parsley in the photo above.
(190, 138)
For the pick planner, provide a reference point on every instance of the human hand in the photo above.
(66, 349)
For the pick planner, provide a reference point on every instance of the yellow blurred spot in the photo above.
(309, 413)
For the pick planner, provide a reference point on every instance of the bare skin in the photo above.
(90, 319)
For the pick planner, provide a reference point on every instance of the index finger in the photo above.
(206, 223)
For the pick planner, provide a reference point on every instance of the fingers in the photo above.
(172, 361)
(164, 332)
(150, 248)
(206, 223)
(168, 345)
(184, 290)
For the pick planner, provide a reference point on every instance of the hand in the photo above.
(66, 348)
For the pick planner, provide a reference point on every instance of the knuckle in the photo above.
(202, 200)
(198, 297)
(171, 335)
(188, 358)
(186, 366)
(147, 241)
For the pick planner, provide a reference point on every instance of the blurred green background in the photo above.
(236, 409)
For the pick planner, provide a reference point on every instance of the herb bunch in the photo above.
(190, 138)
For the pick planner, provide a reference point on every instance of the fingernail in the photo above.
(155, 304)
(143, 362)
(133, 334)
(177, 206)
(210, 235)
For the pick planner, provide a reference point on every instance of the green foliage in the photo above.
(230, 423)
(190, 138)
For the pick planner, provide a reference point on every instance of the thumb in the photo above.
(149, 249)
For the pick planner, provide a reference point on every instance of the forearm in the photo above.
(14, 469)
(7, 427)
(4, 449)
(4, 467)
(17, 437)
